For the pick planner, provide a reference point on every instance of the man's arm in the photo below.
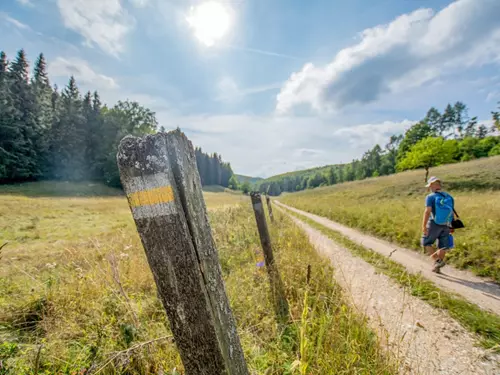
(427, 214)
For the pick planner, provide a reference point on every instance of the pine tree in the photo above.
(68, 141)
(5, 108)
(43, 111)
(3, 66)
(18, 129)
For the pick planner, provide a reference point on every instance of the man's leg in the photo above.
(430, 250)
(428, 241)
(443, 246)
(439, 254)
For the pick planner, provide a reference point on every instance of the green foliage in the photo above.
(245, 187)
(213, 171)
(251, 180)
(429, 152)
(415, 134)
(49, 134)
(495, 150)
(233, 183)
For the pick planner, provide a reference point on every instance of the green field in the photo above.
(391, 207)
(76, 292)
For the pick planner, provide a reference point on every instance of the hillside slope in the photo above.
(251, 180)
(391, 207)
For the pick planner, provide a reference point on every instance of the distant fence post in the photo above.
(277, 288)
(270, 208)
(163, 188)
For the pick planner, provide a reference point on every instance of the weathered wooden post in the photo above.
(163, 188)
(269, 207)
(277, 288)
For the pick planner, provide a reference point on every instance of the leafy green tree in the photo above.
(316, 180)
(495, 150)
(485, 145)
(332, 176)
(412, 136)
(245, 187)
(429, 152)
(233, 183)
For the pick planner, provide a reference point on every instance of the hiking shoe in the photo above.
(438, 265)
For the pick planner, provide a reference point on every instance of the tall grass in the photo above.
(78, 297)
(391, 207)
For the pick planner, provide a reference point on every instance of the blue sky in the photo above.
(272, 85)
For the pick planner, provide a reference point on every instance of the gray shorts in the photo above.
(441, 233)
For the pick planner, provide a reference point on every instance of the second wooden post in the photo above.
(270, 208)
(277, 289)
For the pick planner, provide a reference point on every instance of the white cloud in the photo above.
(267, 145)
(139, 3)
(14, 22)
(413, 49)
(83, 73)
(104, 23)
(229, 91)
(368, 135)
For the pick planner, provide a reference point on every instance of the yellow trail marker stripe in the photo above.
(162, 194)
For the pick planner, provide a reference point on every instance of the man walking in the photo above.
(436, 224)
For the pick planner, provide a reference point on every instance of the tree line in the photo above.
(47, 133)
(439, 138)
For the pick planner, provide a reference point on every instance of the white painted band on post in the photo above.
(155, 210)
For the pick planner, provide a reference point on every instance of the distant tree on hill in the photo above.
(233, 183)
(496, 118)
(245, 187)
(429, 152)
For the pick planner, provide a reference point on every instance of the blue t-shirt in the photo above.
(430, 201)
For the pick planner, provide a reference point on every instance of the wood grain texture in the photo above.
(163, 186)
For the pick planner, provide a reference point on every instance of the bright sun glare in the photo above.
(210, 22)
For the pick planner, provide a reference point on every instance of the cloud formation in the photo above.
(413, 49)
(268, 145)
(229, 91)
(104, 23)
(83, 73)
(14, 22)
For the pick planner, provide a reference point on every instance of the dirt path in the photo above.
(482, 292)
(425, 340)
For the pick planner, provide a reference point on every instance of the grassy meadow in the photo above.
(77, 295)
(391, 207)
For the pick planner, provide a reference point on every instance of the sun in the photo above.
(210, 21)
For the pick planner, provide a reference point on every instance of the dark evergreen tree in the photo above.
(68, 137)
(43, 111)
(19, 158)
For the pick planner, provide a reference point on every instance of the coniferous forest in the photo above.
(63, 134)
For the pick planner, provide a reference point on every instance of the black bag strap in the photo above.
(455, 212)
